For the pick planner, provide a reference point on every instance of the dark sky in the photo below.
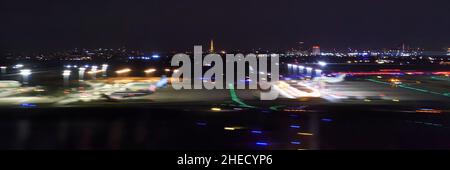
(233, 24)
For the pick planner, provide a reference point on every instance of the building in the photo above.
(315, 51)
(211, 47)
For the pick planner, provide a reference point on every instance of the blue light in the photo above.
(201, 123)
(155, 56)
(295, 126)
(327, 120)
(28, 105)
(256, 131)
(262, 143)
(296, 142)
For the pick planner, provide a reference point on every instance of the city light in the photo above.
(322, 63)
(66, 73)
(150, 70)
(18, 66)
(123, 71)
(25, 72)
(155, 56)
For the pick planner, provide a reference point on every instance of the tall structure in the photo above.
(316, 50)
(211, 48)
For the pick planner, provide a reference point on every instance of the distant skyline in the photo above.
(233, 24)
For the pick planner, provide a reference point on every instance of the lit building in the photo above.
(315, 51)
(211, 48)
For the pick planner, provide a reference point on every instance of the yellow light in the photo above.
(150, 70)
(94, 72)
(216, 109)
(233, 128)
(229, 128)
(395, 100)
(305, 134)
(166, 70)
(123, 71)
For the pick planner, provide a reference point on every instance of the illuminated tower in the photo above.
(211, 48)
(315, 51)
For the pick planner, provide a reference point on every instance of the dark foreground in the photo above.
(141, 128)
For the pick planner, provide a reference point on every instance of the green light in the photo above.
(411, 88)
(236, 99)
(275, 108)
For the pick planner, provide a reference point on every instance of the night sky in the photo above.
(233, 24)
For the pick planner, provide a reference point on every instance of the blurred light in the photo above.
(229, 128)
(123, 71)
(18, 66)
(66, 73)
(25, 72)
(28, 105)
(327, 120)
(305, 134)
(155, 56)
(150, 70)
(216, 109)
(296, 143)
(166, 70)
(201, 123)
(295, 126)
(256, 131)
(262, 143)
(3, 67)
(322, 63)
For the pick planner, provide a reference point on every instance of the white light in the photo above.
(25, 72)
(18, 66)
(66, 73)
(322, 63)
(3, 67)
(82, 69)
(301, 67)
(308, 68)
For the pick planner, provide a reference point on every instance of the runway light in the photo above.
(25, 72)
(256, 131)
(327, 120)
(229, 128)
(150, 70)
(295, 126)
(123, 71)
(262, 143)
(322, 63)
(296, 142)
(305, 134)
(216, 109)
(201, 123)
(18, 66)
